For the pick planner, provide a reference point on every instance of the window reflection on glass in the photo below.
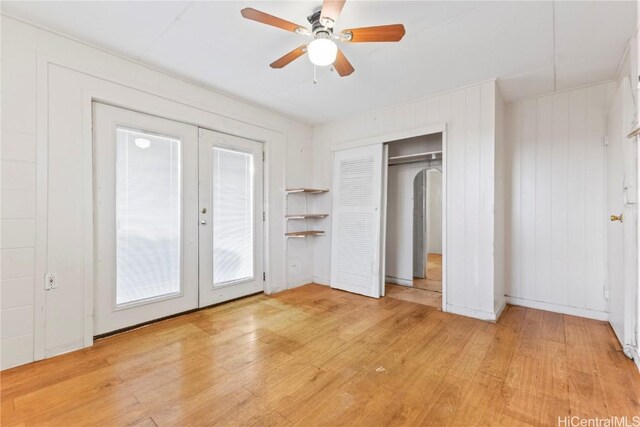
(233, 233)
(148, 216)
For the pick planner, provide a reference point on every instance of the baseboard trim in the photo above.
(320, 281)
(299, 283)
(498, 311)
(558, 308)
(632, 353)
(398, 281)
(63, 349)
(470, 312)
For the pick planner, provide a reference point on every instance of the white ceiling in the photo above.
(447, 45)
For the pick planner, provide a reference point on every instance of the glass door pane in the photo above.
(148, 216)
(233, 218)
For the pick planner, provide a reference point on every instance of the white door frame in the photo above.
(394, 136)
(89, 81)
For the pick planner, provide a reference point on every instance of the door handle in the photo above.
(616, 218)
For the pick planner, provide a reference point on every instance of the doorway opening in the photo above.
(414, 220)
(427, 230)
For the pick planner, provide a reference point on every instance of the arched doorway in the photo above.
(427, 230)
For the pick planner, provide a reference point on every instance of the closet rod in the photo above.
(428, 163)
(409, 156)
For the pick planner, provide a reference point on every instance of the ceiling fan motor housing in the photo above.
(316, 26)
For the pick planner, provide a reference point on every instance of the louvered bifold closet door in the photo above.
(355, 231)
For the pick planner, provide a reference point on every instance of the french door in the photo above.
(164, 245)
(231, 217)
(146, 217)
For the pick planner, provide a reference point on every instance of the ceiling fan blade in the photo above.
(289, 57)
(382, 33)
(330, 11)
(342, 65)
(274, 21)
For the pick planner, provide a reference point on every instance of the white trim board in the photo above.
(557, 308)
(298, 283)
(635, 353)
(500, 309)
(468, 312)
(320, 281)
(398, 281)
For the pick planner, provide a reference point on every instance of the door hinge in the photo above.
(264, 277)
(264, 156)
(264, 216)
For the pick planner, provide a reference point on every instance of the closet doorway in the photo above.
(415, 219)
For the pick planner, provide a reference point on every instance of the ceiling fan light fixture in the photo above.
(322, 52)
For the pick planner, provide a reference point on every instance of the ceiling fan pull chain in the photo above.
(315, 80)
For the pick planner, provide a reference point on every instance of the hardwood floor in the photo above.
(433, 277)
(419, 296)
(314, 356)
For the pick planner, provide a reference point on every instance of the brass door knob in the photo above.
(616, 218)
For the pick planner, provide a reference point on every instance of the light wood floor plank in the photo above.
(317, 356)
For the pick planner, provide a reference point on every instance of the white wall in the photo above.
(47, 82)
(556, 200)
(18, 193)
(469, 114)
(434, 211)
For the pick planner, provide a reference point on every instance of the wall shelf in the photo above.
(306, 190)
(306, 216)
(305, 233)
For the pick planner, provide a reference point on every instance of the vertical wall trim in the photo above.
(42, 191)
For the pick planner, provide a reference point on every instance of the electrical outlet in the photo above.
(50, 281)
(293, 268)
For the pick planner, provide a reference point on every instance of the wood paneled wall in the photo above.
(469, 114)
(28, 246)
(555, 209)
(18, 192)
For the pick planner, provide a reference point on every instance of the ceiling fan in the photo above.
(322, 49)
